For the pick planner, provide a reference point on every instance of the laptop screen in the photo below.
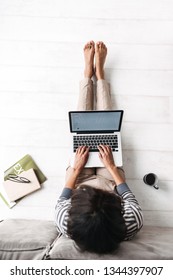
(95, 121)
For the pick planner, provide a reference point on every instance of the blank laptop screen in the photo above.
(95, 121)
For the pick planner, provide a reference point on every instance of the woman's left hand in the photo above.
(81, 158)
(106, 156)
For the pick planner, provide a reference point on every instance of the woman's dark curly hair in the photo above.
(96, 221)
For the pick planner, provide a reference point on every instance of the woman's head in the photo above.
(95, 220)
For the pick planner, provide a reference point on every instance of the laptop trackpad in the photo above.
(93, 160)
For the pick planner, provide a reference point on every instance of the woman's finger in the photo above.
(86, 150)
(104, 148)
(108, 147)
(83, 149)
(100, 149)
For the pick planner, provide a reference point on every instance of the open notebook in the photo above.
(15, 190)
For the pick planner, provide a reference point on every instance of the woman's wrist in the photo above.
(111, 167)
(115, 174)
(71, 182)
(76, 171)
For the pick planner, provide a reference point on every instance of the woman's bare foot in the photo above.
(89, 51)
(100, 56)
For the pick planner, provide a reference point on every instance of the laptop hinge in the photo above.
(95, 132)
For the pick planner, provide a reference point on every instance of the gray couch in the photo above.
(39, 240)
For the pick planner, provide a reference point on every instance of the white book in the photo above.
(16, 190)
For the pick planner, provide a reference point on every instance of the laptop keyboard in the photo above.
(93, 141)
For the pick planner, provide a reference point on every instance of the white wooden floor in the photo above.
(41, 62)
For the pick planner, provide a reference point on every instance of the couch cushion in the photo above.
(150, 243)
(26, 239)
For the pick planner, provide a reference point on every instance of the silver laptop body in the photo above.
(91, 128)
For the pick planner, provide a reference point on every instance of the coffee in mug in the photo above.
(151, 179)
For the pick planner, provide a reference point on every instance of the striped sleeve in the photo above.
(61, 211)
(132, 212)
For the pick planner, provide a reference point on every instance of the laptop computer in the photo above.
(91, 128)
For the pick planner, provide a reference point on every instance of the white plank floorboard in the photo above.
(145, 9)
(121, 31)
(65, 80)
(123, 56)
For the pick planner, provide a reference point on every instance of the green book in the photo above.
(25, 164)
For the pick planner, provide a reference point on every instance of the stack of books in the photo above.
(21, 179)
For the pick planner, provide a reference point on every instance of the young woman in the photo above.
(96, 208)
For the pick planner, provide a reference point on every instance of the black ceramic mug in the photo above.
(151, 179)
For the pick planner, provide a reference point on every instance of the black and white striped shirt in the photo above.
(131, 210)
